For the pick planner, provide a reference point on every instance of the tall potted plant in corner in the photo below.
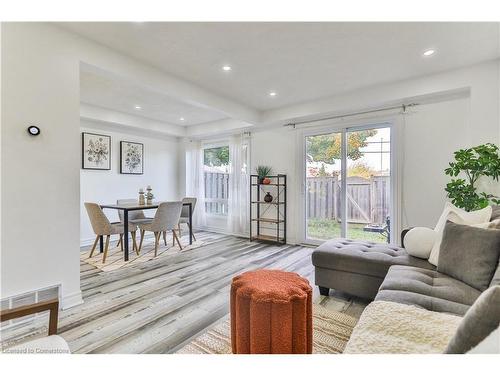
(473, 163)
(263, 171)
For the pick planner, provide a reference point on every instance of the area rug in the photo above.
(331, 331)
(114, 259)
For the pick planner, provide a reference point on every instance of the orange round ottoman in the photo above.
(271, 313)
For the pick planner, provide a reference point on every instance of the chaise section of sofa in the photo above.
(358, 267)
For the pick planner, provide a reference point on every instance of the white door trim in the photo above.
(396, 124)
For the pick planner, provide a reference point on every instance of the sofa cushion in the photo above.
(469, 254)
(482, 318)
(429, 289)
(495, 212)
(366, 258)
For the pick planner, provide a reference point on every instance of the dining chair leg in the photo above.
(142, 239)
(157, 239)
(121, 242)
(94, 246)
(176, 239)
(134, 242)
(179, 228)
(106, 247)
(165, 237)
(189, 225)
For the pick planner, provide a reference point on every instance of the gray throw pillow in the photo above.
(495, 212)
(479, 321)
(469, 254)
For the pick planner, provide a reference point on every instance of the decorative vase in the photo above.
(141, 198)
(266, 181)
(149, 201)
(268, 198)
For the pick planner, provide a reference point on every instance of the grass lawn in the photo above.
(323, 229)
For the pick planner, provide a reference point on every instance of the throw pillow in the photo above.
(469, 254)
(459, 216)
(419, 241)
(495, 213)
(494, 224)
(479, 321)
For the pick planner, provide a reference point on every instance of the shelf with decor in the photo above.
(268, 208)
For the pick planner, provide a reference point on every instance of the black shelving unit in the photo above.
(268, 219)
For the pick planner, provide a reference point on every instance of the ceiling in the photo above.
(300, 61)
(118, 95)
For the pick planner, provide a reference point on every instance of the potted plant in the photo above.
(263, 171)
(473, 163)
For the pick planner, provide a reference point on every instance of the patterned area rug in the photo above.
(114, 259)
(331, 331)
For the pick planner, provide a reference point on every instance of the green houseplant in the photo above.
(473, 163)
(263, 171)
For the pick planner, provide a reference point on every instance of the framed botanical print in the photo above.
(96, 151)
(131, 157)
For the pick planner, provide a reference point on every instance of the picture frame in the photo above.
(131, 157)
(96, 151)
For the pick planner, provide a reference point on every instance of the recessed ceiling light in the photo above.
(138, 107)
(182, 119)
(273, 93)
(226, 68)
(429, 52)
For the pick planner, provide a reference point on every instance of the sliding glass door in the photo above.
(348, 184)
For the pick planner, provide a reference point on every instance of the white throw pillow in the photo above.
(419, 242)
(458, 216)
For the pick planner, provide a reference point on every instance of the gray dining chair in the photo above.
(166, 218)
(134, 217)
(102, 227)
(184, 219)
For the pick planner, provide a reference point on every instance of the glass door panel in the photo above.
(368, 183)
(323, 196)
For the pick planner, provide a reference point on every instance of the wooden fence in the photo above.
(368, 200)
(216, 193)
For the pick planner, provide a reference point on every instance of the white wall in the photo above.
(40, 175)
(160, 171)
(430, 135)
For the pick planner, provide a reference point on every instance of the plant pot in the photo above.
(261, 180)
(266, 181)
(268, 198)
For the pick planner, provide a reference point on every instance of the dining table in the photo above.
(126, 208)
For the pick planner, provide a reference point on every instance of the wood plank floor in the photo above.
(158, 306)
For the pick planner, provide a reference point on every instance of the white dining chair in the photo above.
(184, 219)
(102, 227)
(134, 217)
(166, 218)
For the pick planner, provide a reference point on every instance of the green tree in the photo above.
(217, 156)
(327, 148)
(360, 169)
(473, 163)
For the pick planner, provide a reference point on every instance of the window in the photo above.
(216, 177)
(359, 207)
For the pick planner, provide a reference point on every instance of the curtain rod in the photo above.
(402, 106)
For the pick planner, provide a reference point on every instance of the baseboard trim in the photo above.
(71, 300)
